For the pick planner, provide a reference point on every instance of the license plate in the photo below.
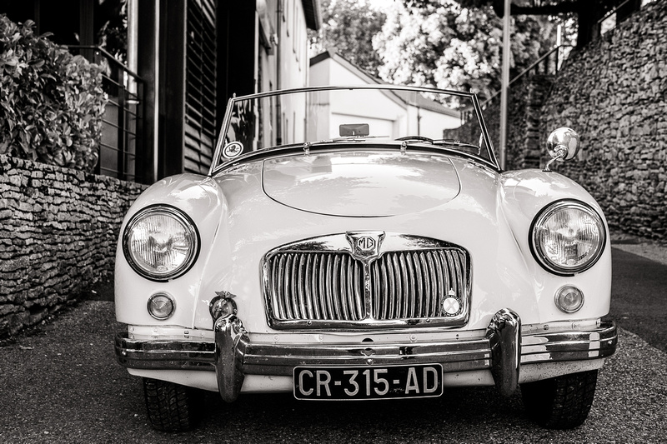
(356, 383)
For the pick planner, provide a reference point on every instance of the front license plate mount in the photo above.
(333, 383)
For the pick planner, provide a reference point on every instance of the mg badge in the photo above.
(365, 244)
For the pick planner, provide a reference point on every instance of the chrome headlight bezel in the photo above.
(536, 247)
(191, 231)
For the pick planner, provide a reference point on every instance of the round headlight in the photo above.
(567, 237)
(160, 242)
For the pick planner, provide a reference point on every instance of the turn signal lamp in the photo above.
(161, 306)
(569, 299)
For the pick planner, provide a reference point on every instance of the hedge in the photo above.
(51, 102)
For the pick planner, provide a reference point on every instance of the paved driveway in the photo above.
(60, 383)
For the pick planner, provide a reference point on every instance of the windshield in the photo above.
(402, 116)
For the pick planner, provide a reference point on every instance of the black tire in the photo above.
(562, 402)
(170, 407)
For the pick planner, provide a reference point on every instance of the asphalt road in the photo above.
(639, 297)
(60, 383)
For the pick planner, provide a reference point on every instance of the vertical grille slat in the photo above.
(330, 285)
(294, 303)
(306, 284)
(275, 298)
(392, 287)
(410, 282)
(314, 285)
(440, 281)
(325, 276)
(300, 289)
(452, 273)
(428, 278)
(281, 280)
(286, 286)
(376, 286)
(388, 308)
(358, 290)
(349, 289)
(446, 275)
(400, 300)
(405, 287)
(338, 302)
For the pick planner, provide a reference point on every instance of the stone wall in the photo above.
(614, 93)
(58, 233)
(526, 97)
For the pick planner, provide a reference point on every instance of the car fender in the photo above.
(523, 195)
(198, 197)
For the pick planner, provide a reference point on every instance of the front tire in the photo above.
(170, 407)
(562, 402)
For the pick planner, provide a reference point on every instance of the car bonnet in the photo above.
(361, 183)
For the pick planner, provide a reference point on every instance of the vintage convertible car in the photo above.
(363, 243)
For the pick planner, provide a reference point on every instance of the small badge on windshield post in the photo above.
(232, 150)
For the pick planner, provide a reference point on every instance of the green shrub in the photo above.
(51, 102)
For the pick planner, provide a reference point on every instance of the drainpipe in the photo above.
(156, 86)
(132, 41)
(504, 84)
(279, 115)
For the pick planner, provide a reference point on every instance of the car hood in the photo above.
(355, 184)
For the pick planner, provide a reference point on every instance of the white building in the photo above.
(424, 117)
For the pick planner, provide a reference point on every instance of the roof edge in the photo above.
(313, 13)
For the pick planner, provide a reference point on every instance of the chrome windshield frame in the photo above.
(216, 165)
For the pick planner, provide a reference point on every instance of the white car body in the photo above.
(248, 207)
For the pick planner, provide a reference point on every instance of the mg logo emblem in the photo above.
(365, 245)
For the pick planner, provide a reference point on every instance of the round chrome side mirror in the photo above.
(562, 144)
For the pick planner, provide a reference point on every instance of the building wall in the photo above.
(294, 46)
(58, 233)
(613, 92)
(281, 35)
(386, 114)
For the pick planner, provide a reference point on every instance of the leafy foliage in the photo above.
(348, 27)
(51, 102)
(442, 43)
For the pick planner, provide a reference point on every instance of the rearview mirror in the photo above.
(353, 129)
(562, 144)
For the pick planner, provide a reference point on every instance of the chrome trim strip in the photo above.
(164, 354)
(456, 355)
(232, 355)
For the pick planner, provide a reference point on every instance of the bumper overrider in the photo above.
(503, 350)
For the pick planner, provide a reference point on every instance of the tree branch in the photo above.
(552, 9)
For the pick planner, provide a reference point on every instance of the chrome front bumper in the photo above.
(503, 349)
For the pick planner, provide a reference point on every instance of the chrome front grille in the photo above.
(411, 284)
(322, 286)
(403, 281)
